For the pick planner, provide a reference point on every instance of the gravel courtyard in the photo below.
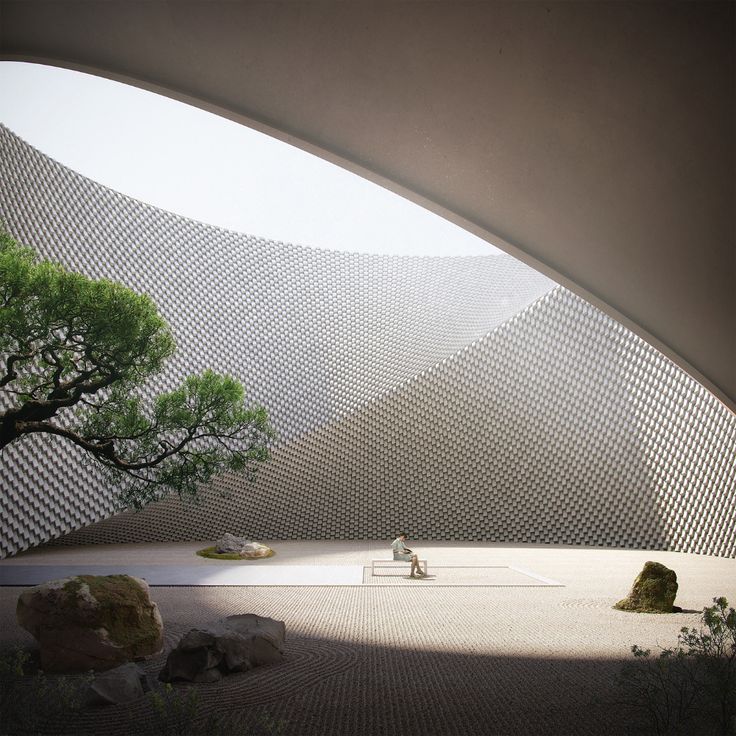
(413, 659)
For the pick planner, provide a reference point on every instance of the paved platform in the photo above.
(191, 575)
(418, 660)
(253, 573)
(457, 576)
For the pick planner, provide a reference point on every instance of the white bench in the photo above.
(395, 564)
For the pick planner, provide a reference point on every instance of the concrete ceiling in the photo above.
(593, 140)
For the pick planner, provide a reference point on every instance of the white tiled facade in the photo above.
(461, 398)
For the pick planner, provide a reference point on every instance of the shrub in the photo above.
(30, 703)
(690, 688)
(176, 713)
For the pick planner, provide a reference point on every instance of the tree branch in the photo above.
(101, 448)
(41, 410)
(10, 374)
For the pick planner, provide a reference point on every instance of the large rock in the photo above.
(245, 548)
(654, 590)
(91, 622)
(235, 644)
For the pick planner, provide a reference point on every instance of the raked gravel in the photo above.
(418, 660)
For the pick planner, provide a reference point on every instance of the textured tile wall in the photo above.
(560, 426)
(408, 392)
(312, 334)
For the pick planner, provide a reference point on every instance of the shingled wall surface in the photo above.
(560, 427)
(312, 334)
(462, 398)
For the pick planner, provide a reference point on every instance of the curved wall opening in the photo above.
(539, 420)
(205, 167)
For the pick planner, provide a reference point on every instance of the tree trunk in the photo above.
(8, 431)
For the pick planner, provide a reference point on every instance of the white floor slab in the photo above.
(192, 575)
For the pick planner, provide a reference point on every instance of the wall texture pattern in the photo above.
(312, 334)
(559, 426)
(459, 398)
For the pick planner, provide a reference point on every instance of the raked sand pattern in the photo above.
(414, 660)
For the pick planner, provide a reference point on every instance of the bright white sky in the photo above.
(200, 165)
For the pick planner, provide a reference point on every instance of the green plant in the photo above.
(176, 712)
(74, 355)
(31, 703)
(691, 686)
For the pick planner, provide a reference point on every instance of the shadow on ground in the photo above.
(330, 687)
(342, 676)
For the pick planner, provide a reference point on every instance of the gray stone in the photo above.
(267, 636)
(255, 551)
(120, 685)
(235, 644)
(91, 622)
(229, 543)
(247, 549)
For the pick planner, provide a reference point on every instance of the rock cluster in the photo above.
(247, 549)
(235, 644)
(91, 622)
(654, 591)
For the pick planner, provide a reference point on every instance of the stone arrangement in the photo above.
(91, 622)
(245, 548)
(235, 644)
(460, 398)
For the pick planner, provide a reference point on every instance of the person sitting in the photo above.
(402, 552)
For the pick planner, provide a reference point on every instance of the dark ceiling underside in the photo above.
(597, 139)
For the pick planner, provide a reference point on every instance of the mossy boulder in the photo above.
(654, 591)
(91, 622)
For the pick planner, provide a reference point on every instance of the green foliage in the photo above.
(190, 435)
(176, 712)
(76, 352)
(690, 688)
(212, 554)
(65, 324)
(32, 703)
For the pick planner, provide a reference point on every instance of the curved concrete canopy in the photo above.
(592, 140)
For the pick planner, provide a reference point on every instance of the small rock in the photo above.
(229, 544)
(120, 685)
(91, 622)
(235, 644)
(654, 590)
(255, 550)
